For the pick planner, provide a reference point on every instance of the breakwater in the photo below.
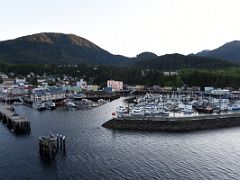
(173, 123)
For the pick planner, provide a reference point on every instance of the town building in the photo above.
(82, 84)
(115, 85)
(47, 94)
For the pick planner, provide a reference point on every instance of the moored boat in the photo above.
(38, 105)
(50, 105)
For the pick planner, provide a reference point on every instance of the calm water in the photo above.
(97, 153)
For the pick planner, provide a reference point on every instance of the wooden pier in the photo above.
(50, 145)
(12, 120)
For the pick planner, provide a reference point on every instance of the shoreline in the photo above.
(173, 124)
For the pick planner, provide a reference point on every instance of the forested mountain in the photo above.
(58, 48)
(146, 56)
(178, 61)
(229, 51)
(55, 48)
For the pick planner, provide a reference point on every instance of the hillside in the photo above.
(146, 56)
(58, 48)
(55, 48)
(229, 51)
(178, 61)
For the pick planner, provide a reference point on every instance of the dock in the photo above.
(12, 120)
(174, 123)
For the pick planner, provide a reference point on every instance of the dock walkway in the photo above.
(12, 120)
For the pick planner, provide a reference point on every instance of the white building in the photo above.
(17, 80)
(82, 84)
(47, 94)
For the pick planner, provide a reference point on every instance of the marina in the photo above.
(161, 105)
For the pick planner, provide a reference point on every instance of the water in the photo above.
(96, 153)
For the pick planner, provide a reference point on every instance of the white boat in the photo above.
(85, 103)
(50, 105)
(71, 104)
(234, 107)
(102, 101)
(17, 103)
(137, 112)
(38, 105)
(121, 110)
(188, 110)
(224, 107)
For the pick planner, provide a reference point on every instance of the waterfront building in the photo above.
(18, 80)
(115, 85)
(92, 87)
(8, 81)
(82, 84)
(208, 89)
(47, 94)
(220, 92)
(170, 73)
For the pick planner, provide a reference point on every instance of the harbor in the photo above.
(89, 146)
(175, 112)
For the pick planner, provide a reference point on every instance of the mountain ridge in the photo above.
(229, 51)
(60, 48)
(55, 48)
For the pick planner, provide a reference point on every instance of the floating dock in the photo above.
(174, 123)
(15, 122)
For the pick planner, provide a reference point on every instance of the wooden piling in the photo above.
(64, 148)
(47, 146)
(15, 122)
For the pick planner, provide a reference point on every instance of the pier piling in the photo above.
(49, 145)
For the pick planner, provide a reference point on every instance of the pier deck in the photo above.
(13, 120)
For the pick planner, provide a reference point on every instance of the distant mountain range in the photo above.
(58, 48)
(229, 51)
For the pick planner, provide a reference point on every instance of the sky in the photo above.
(128, 27)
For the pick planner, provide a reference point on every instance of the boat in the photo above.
(71, 104)
(38, 105)
(137, 112)
(50, 105)
(121, 110)
(205, 109)
(101, 102)
(235, 107)
(17, 103)
(85, 103)
(188, 110)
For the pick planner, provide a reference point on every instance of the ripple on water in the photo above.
(94, 152)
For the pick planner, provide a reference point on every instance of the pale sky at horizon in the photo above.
(128, 27)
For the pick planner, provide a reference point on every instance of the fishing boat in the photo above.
(136, 111)
(70, 104)
(50, 105)
(38, 105)
(121, 110)
(85, 103)
(188, 110)
(205, 109)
